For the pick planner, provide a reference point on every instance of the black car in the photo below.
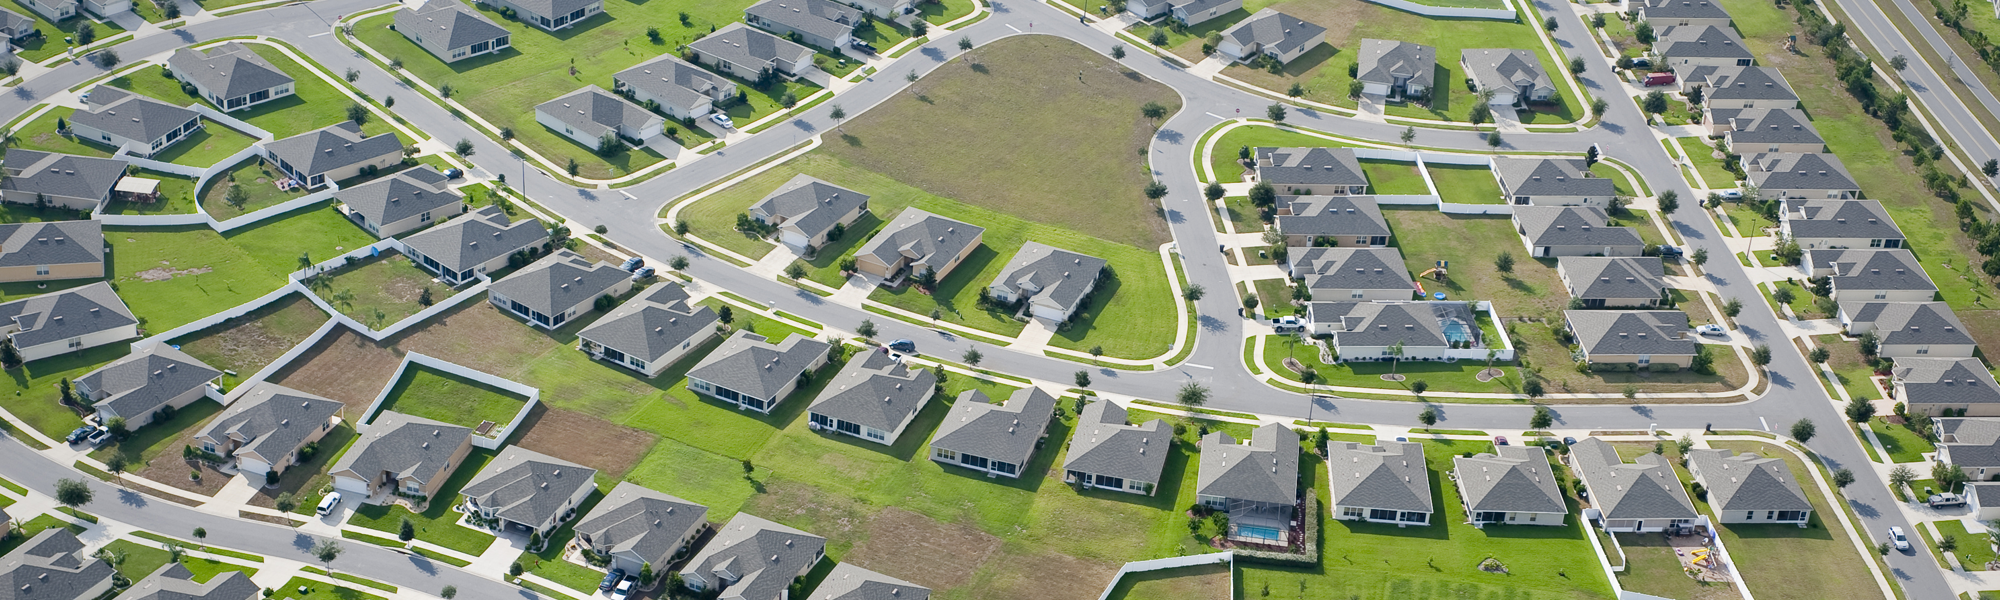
(863, 46)
(610, 580)
(80, 434)
(903, 346)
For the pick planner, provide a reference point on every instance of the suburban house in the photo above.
(849, 582)
(647, 333)
(914, 242)
(1552, 182)
(51, 250)
(173, 581)
(588, 114)
(55, 10)
(753, 373)
(139, 125)
(1515, 76)
(1891, 275)
(1342, 220)
(1106, 453)
(1513, 485)
(1644, 339)
(1369, 331)
(555, 289)
(266, 425)
(16, 27)
(873, 398)
(1931, 386)
(1683, 13)
(1384, 483)
(1352, 273)
(75, 319)
(400, 454)
(1256, 482)
(1555, 231)
(551, 14)
(1270, 33)
(53, 566)
(406, 201)
(467, 247)
(823, 23)
(65, 180)
(885, 9)
(1750, 489)
(1311, 171)
(6, 523)
(1839, 223)
(1984, 499)
(1764, 129)
(1787, 176)
(527, 491)
(747, 53)
(1973, 444)
(451, 31)
(230, 76)
(1396, 69)
(333, 153)
(753, 559)
(996, 439)
(1909, 329)
(680, 89)
(1187, 12)
(806, 210)
(635, 526)
(1613, 282)
(1701, 45)
(1738, 87)
(138, 385)
(1053, 281)
(1637, 497)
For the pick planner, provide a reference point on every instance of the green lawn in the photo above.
(1710, 167)
(944, 11)
(1904, 445)
(51, 41)
(448, 398)
(158, 437)
(1245, 217)
(1652, 568)
(206, 569)
(247, 343)
(1975, 550)
(40, 134)
(1802, 300)
(170, 276)
(177, 196)
(382, 290)
(1389, 177)
(1275, 298)
(437, 524)
(35, 399)
(1849, 367)
(140, 559)
(259, 181)
(319, 591)
(1228, 147)
(1771, 557)
(1465, 184)
(314, 103)
(207, 146)
(1748, 221)
(316, 231)
(1455, 377)
(25, 531)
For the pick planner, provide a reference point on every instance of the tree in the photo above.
(1409, 134)
(1543, 418)
(1549, 24)
(1192, 395)
(1263, 195)
(867, 328)
(725, 314)
(237, 195)
(1643, 32)
(201, 535)
(1598, 106)
(1417, 387)
(1869, 344)
(357, 114)
(1732, 307)
(285, 503)
(1670, 201)
(796, 271)
(172, 10)
(1158, 37)
(406, 530)
(1860, 410)
(1396, 356)
(10, 355)
(326, 551)
(1213, 192)
(1948, 476)
(73, 493)
(1493, 139)
(1276, 112)
(1083, 378)
(1783, 295)
(1299, 89)
(464, 148)
(1576, 65)
(1504, 262)
(1154, 111)
(1899, 63)
(839, 115)
(105, 58)
(1156, 190)
(1991, 167)
(174, 551)
(1901, 476)
(1193, 293)
(1761, 355)
(972, 356)
(116, 466)
(449, 592)
(1842, 478)
(1096, 353)
(85, 34)
(1532, 387)
(678, 263)
(1700, 256)
(1820, 355)
(1429, 417)
(1118, 51)
(1655, 102)
(1803, 430)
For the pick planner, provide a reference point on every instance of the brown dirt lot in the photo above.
(1019, 573)
(919, 549)
(612, 449)
(346, 366)
(349, 367)
(248, 343)
(1190, 583)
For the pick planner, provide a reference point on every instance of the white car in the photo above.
(1896, 539)
(624, 589)
(721, 119)
(1733, 194)
(1712, 329)
(327, 504)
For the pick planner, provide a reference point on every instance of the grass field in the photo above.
(170, 276)
(314, 103)
(437, 524)
(40, 134)
(1465, 184)
(1711, 168)
(448, 398)
(1904, 445)
(1975, 550)
(382, 290)
(1747, 220)
(1770, 557)
(177, 196)
(1849, 367)
(1394, 177)
(207, 146)
(51, 43)
(246, 344)
(34, 398)
(319, 591)
(259, 181)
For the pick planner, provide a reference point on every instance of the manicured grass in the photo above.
(140, 560)
(1442, 376)
(316, 231)
(1242, 215)
(33, 396)
(206, 569)
(1904, 445)
(1393, 177)
(158, 437)
(1187, 42)
(448, 398)
(319, 591)
(1802, 300)
(314, 103)
(1275, 298)
(207, 146)
(384, 289)
(1705, 162)
(177, 196)
(1229, 147)
(51, 41)
(25, 531)
(1974, 549)
(351, 578)
(1652, 568)
(1849, 367)
(1471, 243)
(1747, 220)
(259, 181)
(1622, 184)
(23, 213)
(1465, 184)
(40, 134)
(944, 11)
(438, 524)
(1771, 557)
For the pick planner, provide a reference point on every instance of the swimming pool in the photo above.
(1255, 532)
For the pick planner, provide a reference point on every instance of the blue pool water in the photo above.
(1248, 531)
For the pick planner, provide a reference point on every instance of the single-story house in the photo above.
(1891, 275)
(527, 491)
(401, 454)
(884, 9)
(1764, 129)
(1396, 69)
(1196, 12)
(1513, 485)
(1838, 223)
(635, 526)
(467, 247)
(737, 49)
(1106, 453)
(1701, 45)
(1749, 489)
(1738, 87)
(1555, 231)
(1932, 386)
(1786, 176)
(1053, 281)
(557, 288)
(1552, 182)
(550, 14)
(849, 582)
(588, 114)
(54, 10)
(1256, 482)
(173, 581)
(1343, 220)
(140, 125)
(71, 320)
(1384, 483)
(680, 89)
(65, 180)
(1311, 171)
(1644, 338)
(230, 76)
(265, 426)
(917, 241)
(823, 23)
(650, 332)
(1368, 331)
(406, 201)
(996, 439)
(1971, 443)
(754, 373)
(1984, 499)
(753, 559)
(1683, 13)
(333, 153)
(139, 385)
(806, 210)
(1909, 329)
(51, 250)
(1613, 282)
(16, 27)
(451, 31)
(874, 397)
(1637, 497)
(53, 566)
(1352, 273)
(1515, 76)
(1270, 33)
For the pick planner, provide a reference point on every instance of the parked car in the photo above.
(79, 434)
(1499, 440)
(1732, 194)
(453, 173)
(99, 438)
(1712, 329)
(610, 580)
(903, 346)
(1287, 324)
(1896, 539)
(1669, 251)
(1641, 62)
(326, 504)
(1946, 500)
(862, 46)
(1402, 439)
(624, 589)
(1657, 79)
(642, 273)
(721, 119)
(633, 264)
(1569, 441)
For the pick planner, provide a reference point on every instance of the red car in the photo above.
(1654, 79)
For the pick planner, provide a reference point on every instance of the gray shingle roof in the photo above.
(1385, 61)
(1511, 479)
(143, 381)
(595, 112)
(1682, 9)
(1390, 475)
(1572, 226)
(765, 556)
(823, 18)
(272, 420)
(1746, 481)
(925, 239)
(1872, 269)
(1796, 171)
(1550, 177)
(1336, 216)
(1265, 470)
(1505, 69)
(49, 567)
(1104, 445)
(460, 25)
(653, 324)
(476, 237)
(1700, 41)
(411, 447)
(174, 581)
(561, 280)
(750, 364)
(525, 486)
(1002, 432)
(638, 520)
(1594, 277)
(1413, 324)
(68, 175)
(406, 194)
(1279, 32)
(1646, 489)
(1946, 381)
(1309, 166)
(849, 582)
(552, 8)
(70, 313)
(229, 70)
(1747, 83)
(51, 243)
(332, 147)
(130, 115)
(675, 81)
(740, 44)
(1619, 332)
(811, 205)
(1971, 442)
(15, 24)
(875, 390)
(1833, 218)
(1353, 268)
(1050, 274)
(1767, 125)
(1919, 323)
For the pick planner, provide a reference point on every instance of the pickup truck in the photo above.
(1945, 500)
(1287, 324)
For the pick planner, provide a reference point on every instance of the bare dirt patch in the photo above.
(612, 448)
(922, 550)
(842, 520)
(248, 343)
(1017, 573)
(345, 366)
(168, 468)
(351, 368)
(163, 272)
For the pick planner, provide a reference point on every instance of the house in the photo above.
(885, 9)
(527, 491)
(635, 526)
(1267, 32)
(550, 14)
(753, 373)
(1787, 176)
(71, 320)
(1891, 275)
(1384, 483)
(333, 153)
(1701, 45)
(807, 211)
(1932, 386)
(647, 333)
(266, 425)
(1555, 231)
(1255, 482)
(6, 523)
(1645, 339)
(915, 242)
(467, 247)
(1637, 497)
(1311, 171)
(451, 31)
(1908, 329)
(1749, 489)
(753, 559)
(588, 114)
(1552, 182)
(1106, 453)
(53, 566)
(230, 76)
(1396, 69)
(139, 125)
(681, 90)
(65, 180)
(1764, 129)
(1984, 499)
(1352, 273)
(1515, 76)
(873, 398)
(1370, 331)
(1341, 220)
(1620, 282)
(1054, 282)
(139, 385)
(1683, 13)
(823, 23)
(51, 250)
(173, 581)
(996, 439)
(1838, 223)
(1738, 87)
(54, 10)
(553, 290)
(849, 582)
(748, 53)
(400, 454)
(16, 27)
(1513, 485)
(1195, 12)
(1972, 444)
(406, 201)
(106, 8)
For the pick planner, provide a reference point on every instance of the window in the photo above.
(1350, 512)
(876, 435)
(1791, 515)
(1749, 515)
(424, 218)
(944, 454)
(1881, 295)
(1923, 349)
(1356, 294)
(1381, 514)
(1874, 243)
(42, 270)
(1645, 359)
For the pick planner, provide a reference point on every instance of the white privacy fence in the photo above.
(1423, 158)
(492, 439)
(297, 283)
(204, 175)
(1500, 14)
(1177, 562)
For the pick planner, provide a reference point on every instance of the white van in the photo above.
(326, 505)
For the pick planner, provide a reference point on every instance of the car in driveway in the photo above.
(611, 580)
(79, 434)
(1499, 440)
(1897, 539)
(721, 119)
(327, 504)
(624, 589)
(1945, 500)
(1712, 330)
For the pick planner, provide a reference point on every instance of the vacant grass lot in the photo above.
(1465, 184)
(259, 181)
(246, 344)
(51, 41)
(1394, 177)
(1849, 367)
(170, 276)
(1707, 163)
(382, 290)
(314, 103)
(1770, 557)
(1186, 583)
(176, 196)
(448, 398)
(438, 524)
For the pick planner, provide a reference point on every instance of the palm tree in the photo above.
(344, 297)
(965, 48)
(1491, 353)
(1396, 352)
(839, 115)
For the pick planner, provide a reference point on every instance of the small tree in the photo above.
(1991, 167)
(1733, 307)
(1156, 190)
(1842, 478)
(406, 530)
(285, 503)
(1428, 417)
(357, 114)
(1543, 418)
(1263, 195)
(1803, 430)
(1493, 139)
(1899, 63)
(73, 493)
(1276, 112)
(1549, 24)
(1395, 356)
(1153, 111)
(449, 592)
(1299, 89)
(1118, 51)
(1192, 395)
(237, 195)
(86, 33)
(1670, 201)
(1083, 378)
(1504, 262)
(1532, 387)
(972, 356)
(1417, 387)
(464, 148)
(1598, 106)
(1409, 134)
(1700, 257)
(1213, 192)
(1820, 354)
(1901, 476)
(866, 329)
(1761, 355)
(839, 115)
(1193, 292)
(116, 466)
(796, 271)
